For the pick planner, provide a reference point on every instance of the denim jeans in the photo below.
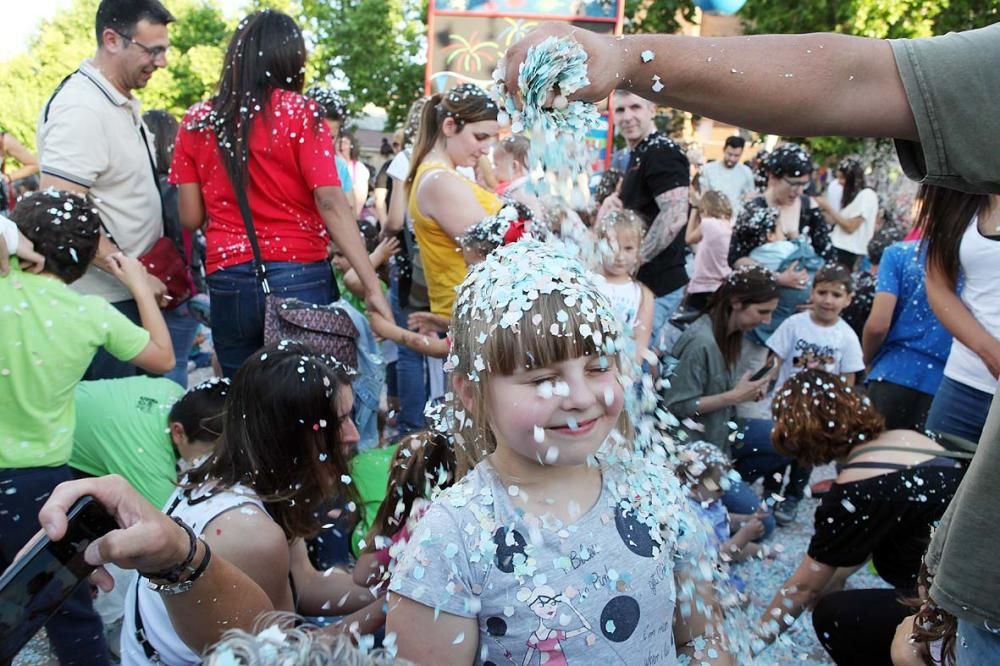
(959, 410)
(663, 309)
(976, 646)
(106, 366)
(182, 328)
(411, 373)
(237, 303)
(740, 498)
(754, 455)
(75, 631)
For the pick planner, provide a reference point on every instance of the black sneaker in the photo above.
(785, 512)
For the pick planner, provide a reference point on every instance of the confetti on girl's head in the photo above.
(507, 226)
(63, 227)
(527, 306)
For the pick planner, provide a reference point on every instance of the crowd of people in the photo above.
(454, 418)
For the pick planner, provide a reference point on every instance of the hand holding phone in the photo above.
(46, 573)
(147, 539)
(760, 374)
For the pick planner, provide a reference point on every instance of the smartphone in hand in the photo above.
(35, 586)
(763, 371)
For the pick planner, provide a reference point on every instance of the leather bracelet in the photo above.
(174, 573)
(171, 589)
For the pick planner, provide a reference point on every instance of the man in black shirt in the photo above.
(656, 186)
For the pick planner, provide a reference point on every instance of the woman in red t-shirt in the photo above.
(260, 133)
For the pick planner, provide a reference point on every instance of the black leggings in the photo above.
(856, 627)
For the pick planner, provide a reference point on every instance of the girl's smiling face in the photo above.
(559, 414)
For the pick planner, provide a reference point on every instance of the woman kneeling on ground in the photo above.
(893, 486)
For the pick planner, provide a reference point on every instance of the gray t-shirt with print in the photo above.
(598, 591)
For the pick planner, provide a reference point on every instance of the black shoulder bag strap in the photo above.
(156, 184)
(48, 104)
(140, 630)
(258, 262)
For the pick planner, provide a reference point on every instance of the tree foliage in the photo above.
(376, 47)
(657, 16)
(373, 47)
(880, 19)
(197, 44)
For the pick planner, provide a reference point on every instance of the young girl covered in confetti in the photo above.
(561, 544)
(619, 234)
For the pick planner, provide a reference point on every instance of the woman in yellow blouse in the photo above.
(457, 128)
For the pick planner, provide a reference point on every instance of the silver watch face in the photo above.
(170, 589)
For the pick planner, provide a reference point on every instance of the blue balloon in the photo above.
(720, 6)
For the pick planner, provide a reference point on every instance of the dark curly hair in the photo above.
(789, 159)
(63, 227)
(819, 418)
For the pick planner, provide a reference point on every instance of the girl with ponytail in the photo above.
(456, 129)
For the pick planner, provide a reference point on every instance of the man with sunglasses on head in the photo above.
(92, 140)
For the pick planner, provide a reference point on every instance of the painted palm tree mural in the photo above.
(515, 29)
(469, 54)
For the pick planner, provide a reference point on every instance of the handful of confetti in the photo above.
(556, 65)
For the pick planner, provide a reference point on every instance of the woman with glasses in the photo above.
(789, 169)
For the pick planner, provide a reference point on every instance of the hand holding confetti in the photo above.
(603, 71)
(558, 127)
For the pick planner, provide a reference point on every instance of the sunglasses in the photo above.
(796, 184)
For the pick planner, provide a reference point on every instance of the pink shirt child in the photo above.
(711, 265)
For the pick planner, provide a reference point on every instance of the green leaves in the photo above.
(375, 47)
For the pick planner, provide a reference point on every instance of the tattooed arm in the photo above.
(669, 222)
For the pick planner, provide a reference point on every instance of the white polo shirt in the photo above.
(89, 134)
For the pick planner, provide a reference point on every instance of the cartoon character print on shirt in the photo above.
(809, 355)
(550, 608)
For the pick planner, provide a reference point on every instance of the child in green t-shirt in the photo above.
(50, 334)
(56, 331)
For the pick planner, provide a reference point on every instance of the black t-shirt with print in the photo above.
(887, 518)
(657, 165)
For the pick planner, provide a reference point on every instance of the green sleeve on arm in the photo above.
(123, 339)
(951, 87)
